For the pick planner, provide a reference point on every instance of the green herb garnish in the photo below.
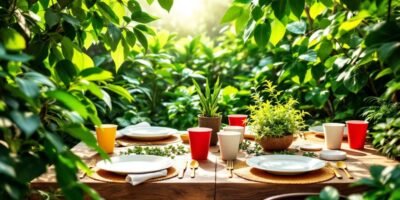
(167, 151)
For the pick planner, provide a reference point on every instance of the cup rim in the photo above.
(106, 126)
(334, 124)
(357, 122)
(199, 129)
(237, 116)
(234, 127)
(229, 133)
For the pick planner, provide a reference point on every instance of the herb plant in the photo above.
(167, 151)
(274, 117)
(208, 100)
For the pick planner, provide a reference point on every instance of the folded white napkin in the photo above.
(121, 132)
(136, 179)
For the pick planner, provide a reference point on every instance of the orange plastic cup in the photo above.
(106, 136)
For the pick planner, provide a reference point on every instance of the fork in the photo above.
(229, 167)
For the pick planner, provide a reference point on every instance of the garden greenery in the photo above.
(67, 65)
(208, 100)
(272, 117)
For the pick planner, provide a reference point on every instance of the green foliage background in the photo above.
(66, 65)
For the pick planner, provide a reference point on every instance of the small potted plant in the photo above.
(273, 121)
(209, 117)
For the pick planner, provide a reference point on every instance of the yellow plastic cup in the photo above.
(106, 136)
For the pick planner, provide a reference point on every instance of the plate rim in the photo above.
(171, 132)
(248, 162)
(167, 159)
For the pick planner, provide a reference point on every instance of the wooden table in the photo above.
(212, 181)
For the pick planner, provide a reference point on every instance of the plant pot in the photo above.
(211, 122)
(296, 196)
(275, 143)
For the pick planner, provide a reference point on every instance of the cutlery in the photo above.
(230, 164)
(193, 165)
(337, 174)
(183, 169)
(342, 165)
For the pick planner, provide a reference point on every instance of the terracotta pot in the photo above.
(275, 143)
(211, 122)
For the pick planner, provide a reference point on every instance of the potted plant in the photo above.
(273, 121)
(209, 117)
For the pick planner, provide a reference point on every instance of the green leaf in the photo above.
(278, 31)
(143, 17)
(241, 21)
(81, 133)
(96, 74)
(119, 90)
(297, 7)
(130, 38)
(67, 48)
(249, 30)
(66, 71)
(257, 13)
(114, 35)
(28, 87)
(69, 101)
(107, 99)
(353, 22)
(316, 9)
(231, 14)
(279, 8)
(150, 1)
(354, 80)
(310, 56)
(39, 78)
(145, 29)
(107, 12)
(142, 38)
(28, 123)
(324, 49)
(52, 18)
(90, 3)
(330, 193)
(387, 49)
(262, 34)
(118, 56)
(298, 27)
(81, 60)
(12, 40)
(327, 3)
(166, 4)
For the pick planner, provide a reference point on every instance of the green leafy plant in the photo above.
(273, 117)
(386, 137)
(208, 100)
(383, 184)
(168, 151)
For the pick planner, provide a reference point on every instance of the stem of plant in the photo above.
(389, 10)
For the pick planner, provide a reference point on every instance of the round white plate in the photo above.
(311, 147)
(319, 130)
(135, 164)
(285, 164)
(333, 155)
(150, 133)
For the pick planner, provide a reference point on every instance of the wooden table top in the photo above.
(212, 181)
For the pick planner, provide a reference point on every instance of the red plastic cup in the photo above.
(237, 120)
(199, 140)
(357, 132)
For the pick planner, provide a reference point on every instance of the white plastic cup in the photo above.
(239, 129)
(333, 133)
(228, 144)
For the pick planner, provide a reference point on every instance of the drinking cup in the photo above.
(229, 144)
(199, 141)
(239, 129)
(333, 133)
(357, 132)
(237, 120)
(105, 134)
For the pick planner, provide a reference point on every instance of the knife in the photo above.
(182, 170)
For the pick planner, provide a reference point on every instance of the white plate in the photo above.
(150, 133)
(319, 130)
(285, 164)
(135, 164)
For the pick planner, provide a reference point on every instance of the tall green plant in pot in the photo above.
(209, 116)
(273, 121)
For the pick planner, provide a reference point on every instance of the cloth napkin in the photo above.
(127, 129)
(135, 179)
